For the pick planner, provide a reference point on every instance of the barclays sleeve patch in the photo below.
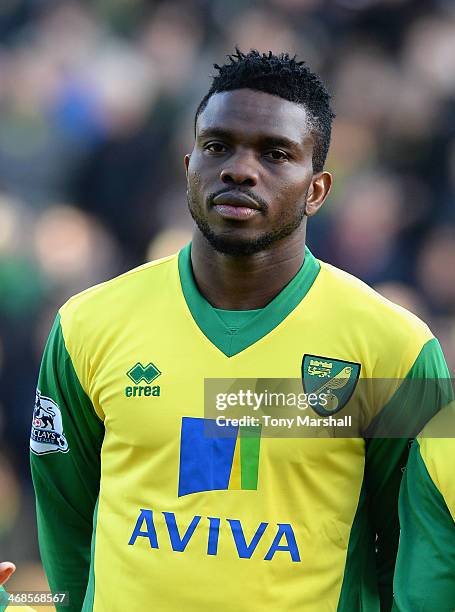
(47, 428)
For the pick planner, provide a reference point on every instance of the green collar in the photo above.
(233, 341)
(236, 319)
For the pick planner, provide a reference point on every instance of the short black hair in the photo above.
(283, 76)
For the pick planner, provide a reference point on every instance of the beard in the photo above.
(232, 245)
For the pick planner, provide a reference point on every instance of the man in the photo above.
(425, 570)
(139, 509)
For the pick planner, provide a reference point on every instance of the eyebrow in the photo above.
(264, 139)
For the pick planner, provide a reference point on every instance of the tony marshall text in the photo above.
(297, 421)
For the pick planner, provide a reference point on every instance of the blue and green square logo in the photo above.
(211, 463)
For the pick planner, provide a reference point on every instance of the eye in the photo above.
(277, 155)
(215, 147)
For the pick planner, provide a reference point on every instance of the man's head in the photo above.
(262, 136)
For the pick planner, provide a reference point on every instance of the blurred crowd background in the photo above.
(96, 108)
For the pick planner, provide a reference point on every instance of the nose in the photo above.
(240, 171)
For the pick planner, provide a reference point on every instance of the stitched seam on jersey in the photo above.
(78, 374)
(89, 600)
(381, 417)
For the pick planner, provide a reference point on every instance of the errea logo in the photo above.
(147, 374)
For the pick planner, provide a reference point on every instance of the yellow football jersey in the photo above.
(138, 509)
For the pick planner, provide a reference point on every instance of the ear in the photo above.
(187, 162)
(320, 187)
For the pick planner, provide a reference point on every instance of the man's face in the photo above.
(250, 170)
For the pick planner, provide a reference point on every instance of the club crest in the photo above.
(334, 378)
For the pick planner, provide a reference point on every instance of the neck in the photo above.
(246, 282)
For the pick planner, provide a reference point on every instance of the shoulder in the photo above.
(362, 300)
(382, 329)
(103, 320)
(93, 318)
(121, 291)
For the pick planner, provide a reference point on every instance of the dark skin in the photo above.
(259, 145)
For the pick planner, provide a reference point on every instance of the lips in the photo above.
(235, 206)
(236, 200)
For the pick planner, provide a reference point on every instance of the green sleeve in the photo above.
(426, 389)
(425, 570)
(65, 448)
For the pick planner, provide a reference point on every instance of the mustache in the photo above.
(262, 204)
